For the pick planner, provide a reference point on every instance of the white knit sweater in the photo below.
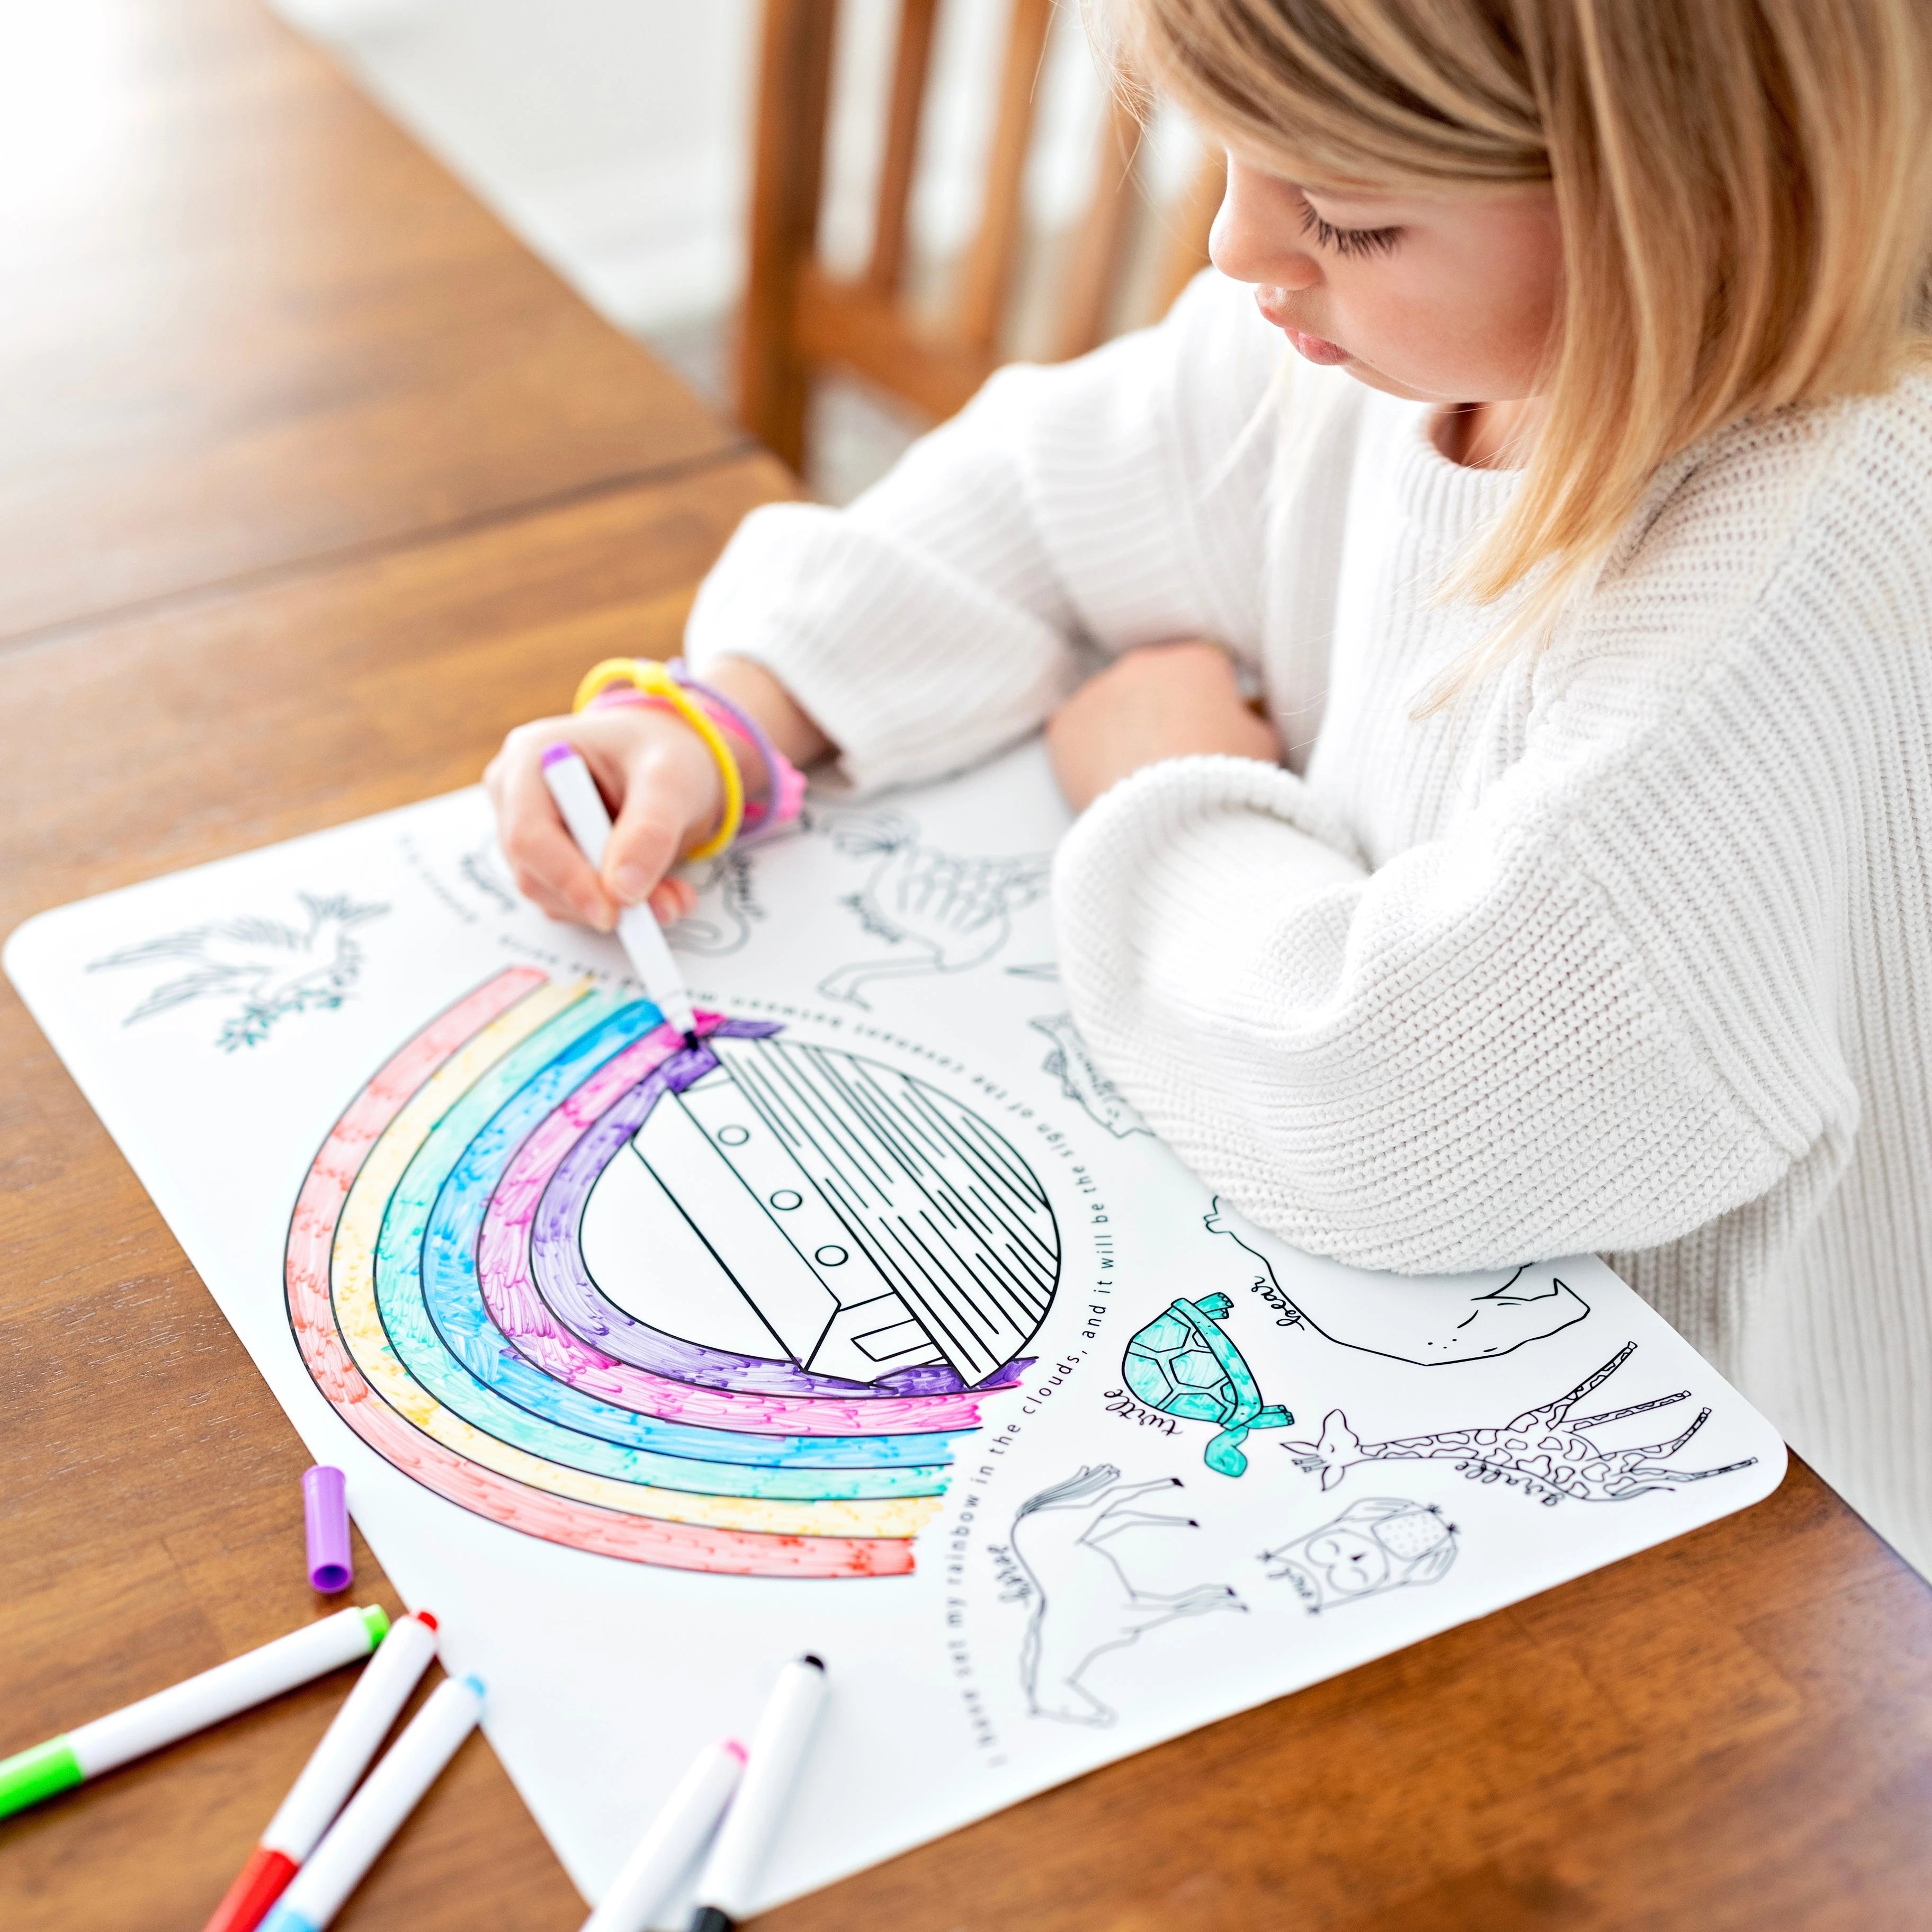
(1631, 951)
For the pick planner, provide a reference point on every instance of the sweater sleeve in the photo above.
(1533, 1036)
(1111, 502)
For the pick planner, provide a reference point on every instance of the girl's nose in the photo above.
(1257, 234)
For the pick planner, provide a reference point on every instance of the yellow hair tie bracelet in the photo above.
(650, 676)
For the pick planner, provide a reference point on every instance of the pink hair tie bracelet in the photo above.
(785, 794)
(785, 797)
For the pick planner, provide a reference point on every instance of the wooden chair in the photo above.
(798, 319)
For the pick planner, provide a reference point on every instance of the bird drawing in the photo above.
(270, 969)
(946, 913)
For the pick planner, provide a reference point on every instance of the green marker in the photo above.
(64, 1761)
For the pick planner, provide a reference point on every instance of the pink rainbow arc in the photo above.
(637, 1539)
(510, 1295)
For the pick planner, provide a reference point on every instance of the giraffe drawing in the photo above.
(944, 912)
(1545, 1452)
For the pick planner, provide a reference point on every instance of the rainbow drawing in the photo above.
(727, 1309)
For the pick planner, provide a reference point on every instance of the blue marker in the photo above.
(375, 1814)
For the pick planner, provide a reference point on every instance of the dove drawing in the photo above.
(268, 969)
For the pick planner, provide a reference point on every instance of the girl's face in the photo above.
(1444, 299)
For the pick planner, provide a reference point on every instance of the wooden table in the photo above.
(313, 483)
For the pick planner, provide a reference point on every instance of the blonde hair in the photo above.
(1745, 188)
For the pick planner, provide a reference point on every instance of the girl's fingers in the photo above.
(661, 779)
(672, 899)
(645, 841)
(548, 868)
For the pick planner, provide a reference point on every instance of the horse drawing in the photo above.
(1068, 1541)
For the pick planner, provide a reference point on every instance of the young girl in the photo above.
(1573, 892)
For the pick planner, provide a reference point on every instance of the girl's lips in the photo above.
(1316, 348)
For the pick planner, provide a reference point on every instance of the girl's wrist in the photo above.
(763, 788)
(760, 695)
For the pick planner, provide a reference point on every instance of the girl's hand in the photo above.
(661, 784)
(664, 796)
(1161, 701)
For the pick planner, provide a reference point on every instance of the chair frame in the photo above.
(797, 319)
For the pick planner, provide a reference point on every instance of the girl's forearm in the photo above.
(791, 728)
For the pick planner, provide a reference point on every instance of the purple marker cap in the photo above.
(325, 1508)
(556, 755)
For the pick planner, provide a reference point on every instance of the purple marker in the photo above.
(581, 804)
(326, 1511)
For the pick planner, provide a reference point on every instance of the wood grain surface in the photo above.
(245, 321)
(1732, 1731)
(150, 1515)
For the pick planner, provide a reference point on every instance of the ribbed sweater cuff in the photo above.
(909, 670)
(1129, 815)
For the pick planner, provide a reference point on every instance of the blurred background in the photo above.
(617, 138)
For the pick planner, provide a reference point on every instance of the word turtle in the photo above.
(1182, 1364)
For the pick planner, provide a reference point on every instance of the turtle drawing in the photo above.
(1182, 1365)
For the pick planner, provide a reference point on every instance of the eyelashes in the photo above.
(1348, 241)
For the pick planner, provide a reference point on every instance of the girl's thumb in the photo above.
(644, 844)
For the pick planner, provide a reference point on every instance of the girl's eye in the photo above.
(1348, 241)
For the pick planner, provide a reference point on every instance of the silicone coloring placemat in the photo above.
(878, 1325)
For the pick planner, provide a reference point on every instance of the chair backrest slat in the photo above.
(794, 89)
(988, 272)
(797, 317)
(904, 115)
(1100, 246)
(1185, 254)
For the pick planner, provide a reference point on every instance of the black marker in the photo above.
(778, 1749)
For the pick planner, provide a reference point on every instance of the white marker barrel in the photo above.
(675, 1836)
(581, 805)
(375, 1814)
(649, 953)
(726, 1891)
(252, 1679)
(351, 1740)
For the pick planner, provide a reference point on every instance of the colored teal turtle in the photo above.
(1182, 1364)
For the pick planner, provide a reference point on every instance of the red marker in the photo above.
(330, 1775)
